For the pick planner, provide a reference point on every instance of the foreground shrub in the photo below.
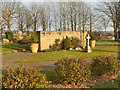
(72, 71)
(24, 78)
(9, 35)
(107, 65)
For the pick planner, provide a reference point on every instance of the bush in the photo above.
(72, 71)
(56, 46)
(107, 65)
(15, 40)
(92, 37)
(27, 37)
(5, 40)
(34, 37)
(66, 43)
(9, 35)
(24, 78)
(76, 42)
(18, 38)
(24, 41)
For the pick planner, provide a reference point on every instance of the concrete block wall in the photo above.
(47, 38)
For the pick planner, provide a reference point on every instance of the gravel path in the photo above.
(10, 60)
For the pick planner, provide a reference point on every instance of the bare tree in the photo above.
(49, 16)
(28, 22)
(71, 16)
(21, 16)
(111, 10)
(60, 15)
(85, 16)
(75, 16)
(35, 15)
(55, 17)
(8, 13)
(105, 23)
(43, 18)
(119, 19)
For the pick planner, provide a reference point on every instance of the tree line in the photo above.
(62, 16)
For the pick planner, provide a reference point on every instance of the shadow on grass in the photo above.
(107, 41)
(51, 75)
(110, 84)
(16, 46)
(107, 51)
(47, 67)
(77, 51)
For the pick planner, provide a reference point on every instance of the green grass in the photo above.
(51, 76)
(107, 43)
(9, 47)
(110, 84)
(57, 55)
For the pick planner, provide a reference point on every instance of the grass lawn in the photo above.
(9, 47)
(51, 75)
(57, 55)
(107, 43)
(110, 84)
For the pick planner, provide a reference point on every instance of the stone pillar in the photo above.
(87, 48)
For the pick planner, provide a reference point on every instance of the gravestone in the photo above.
(87, 48)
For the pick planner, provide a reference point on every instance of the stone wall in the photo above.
(47, 38)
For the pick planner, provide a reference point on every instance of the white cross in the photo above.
(87, 37)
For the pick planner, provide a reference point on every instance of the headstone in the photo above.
(87, 48)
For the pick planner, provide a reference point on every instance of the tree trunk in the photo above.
(27, 31)
(35, 24)
(115, 31)
(8, 25)
(90, 24)
(75, 22)
(64, 25)
(1, 33)
(72, 23)
(68, 25)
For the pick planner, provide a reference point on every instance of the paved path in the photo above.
(10, 60)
